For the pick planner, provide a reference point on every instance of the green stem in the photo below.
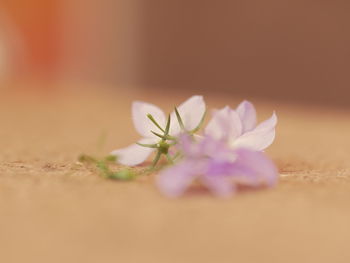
(170, 160)
(156, 159)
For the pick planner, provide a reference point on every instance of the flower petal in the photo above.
(141, 122)
(267, 124)
(260, 138)
(188, 146)
(254, 168)
(224, 125)
(174, 180)
(219, 185)
(134, 154)
(247, 113)
(191, 112)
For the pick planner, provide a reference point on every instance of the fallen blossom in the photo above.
(238, 128)
(148, 117)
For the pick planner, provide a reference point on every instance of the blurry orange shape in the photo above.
(36, 21)
(3, 59)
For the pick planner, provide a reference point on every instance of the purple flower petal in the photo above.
(218, 185)
(174, 181)
(141, 122)
(204, 146)
(187, 145)
(247, 113)
(134, 154)
(218, 168)
(254, 168)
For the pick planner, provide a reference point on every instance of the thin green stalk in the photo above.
(170, 160)
(156, 159)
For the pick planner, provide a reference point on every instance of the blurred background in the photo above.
(289, 50)
(292, 56)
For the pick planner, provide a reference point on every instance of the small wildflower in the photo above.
(217, 167)
(146, 117)
(227, 155)
(239, 129)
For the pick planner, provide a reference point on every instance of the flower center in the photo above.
(163, 147)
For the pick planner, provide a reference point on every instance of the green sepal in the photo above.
(167, 128)
(149, 116)
(179, 119)
(200, 123)
(147, 145)
(164, 137)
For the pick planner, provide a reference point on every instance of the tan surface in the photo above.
(53, 209)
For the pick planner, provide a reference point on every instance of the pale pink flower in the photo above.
(238, 128)
(191, 111)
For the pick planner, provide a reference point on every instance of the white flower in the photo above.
(239, 129)
(191, 111)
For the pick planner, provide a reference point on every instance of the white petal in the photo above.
(191, 112)
(268, 124)
(141, 122)
(260, 138)
(247, 113)
(225, 125)
(134, 154)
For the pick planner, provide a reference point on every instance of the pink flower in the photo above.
(238, 128)
(217, 167)
(191, 111)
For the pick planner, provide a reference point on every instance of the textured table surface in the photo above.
(53, 209)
